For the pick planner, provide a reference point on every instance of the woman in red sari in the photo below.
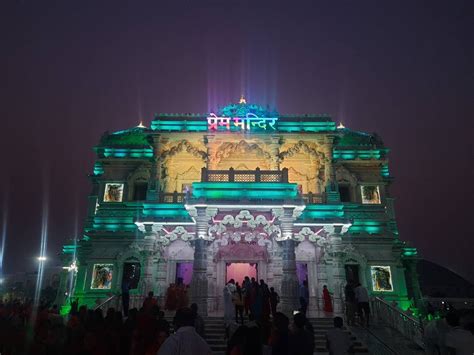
(327, 300)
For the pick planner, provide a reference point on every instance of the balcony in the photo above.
(243, 184)
(256, 175)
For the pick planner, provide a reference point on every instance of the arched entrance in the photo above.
(307, 257)
(179, 256)
(246, 257)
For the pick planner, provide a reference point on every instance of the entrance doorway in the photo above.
(131, 275)
(238, 271)
(302, 272)
(185, 272)
(352, 273)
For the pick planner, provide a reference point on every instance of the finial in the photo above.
(141, 125)
(242, 100)
(341, 126)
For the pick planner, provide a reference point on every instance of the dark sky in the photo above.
(71, 70)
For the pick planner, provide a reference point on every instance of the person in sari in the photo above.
(170, 303)
(181, 294)
(229, 309)
(327, 300)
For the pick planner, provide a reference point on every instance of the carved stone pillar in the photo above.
(329, 172)
(289, 284)
(153, 185)
(209, 141)
(275, 151)
(338, 271)
(148, 253)
(199, 282)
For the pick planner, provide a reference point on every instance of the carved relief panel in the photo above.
(181, 164)
(240, 155)
(305, 163)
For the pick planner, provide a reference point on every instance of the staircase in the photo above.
(215, 335)
(320, 326)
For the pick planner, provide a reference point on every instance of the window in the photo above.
(113, 192)
(139, 191)
(102, 276)
(345, 193)
(381, 278)
(131, 275)
(370, 194)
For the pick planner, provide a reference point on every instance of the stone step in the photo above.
(215, 335)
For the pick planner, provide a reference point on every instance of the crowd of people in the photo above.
(254, 299)
(145, 331)
(177, 296)
(83, 331)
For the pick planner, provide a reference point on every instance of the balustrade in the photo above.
(311, 198)
(395, 318)
(256, 175)
(172, 197)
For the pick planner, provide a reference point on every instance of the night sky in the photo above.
(71, 70)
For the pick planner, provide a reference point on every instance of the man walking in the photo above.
(362, 298)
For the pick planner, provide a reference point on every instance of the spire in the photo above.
(341, 126)
(242, 100)
(141, 125)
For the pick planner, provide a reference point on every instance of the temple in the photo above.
(242, 191)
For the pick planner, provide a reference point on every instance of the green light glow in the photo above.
(64, 311)
(409, 252)
(69, 249)
(351, 154)
(384, 171)
(168, 125)
(127, 152)
(244, 190)
(322, 212)
(306, 126)
(165, 210)
(366, 226)
(98, 168)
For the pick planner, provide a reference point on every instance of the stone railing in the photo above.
(172, 197)
(112, 301)
(232, 175)
(311, 198)
(115, 301)
(394, 317)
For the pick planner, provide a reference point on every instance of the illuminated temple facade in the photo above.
(245, 191)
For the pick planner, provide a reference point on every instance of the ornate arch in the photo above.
(242, 252)
(303, 147)
(142, 173)
(306, 164)
(306, 251)
(183, 145)
(344, 175)
(226, 149)
(179, 250)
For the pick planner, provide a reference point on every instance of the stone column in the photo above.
(275, 151)
(199, 282)
(338, 272)
(332, 192)
(153, 185)
(289, 284)
(147, 255)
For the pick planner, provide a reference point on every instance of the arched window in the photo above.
(139, 190)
